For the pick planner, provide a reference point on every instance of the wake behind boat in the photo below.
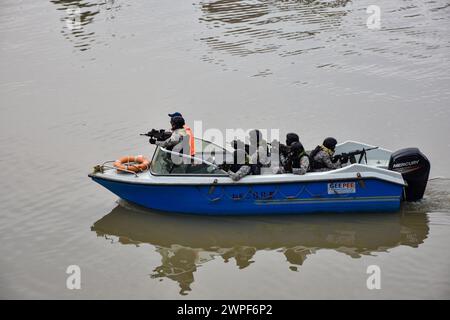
(379, 181)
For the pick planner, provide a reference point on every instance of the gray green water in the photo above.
(73, 97)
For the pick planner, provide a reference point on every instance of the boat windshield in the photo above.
(206, 147)
(207, 156)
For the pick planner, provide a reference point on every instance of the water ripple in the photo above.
(410, 43)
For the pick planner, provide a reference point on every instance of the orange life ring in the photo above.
(132, 163)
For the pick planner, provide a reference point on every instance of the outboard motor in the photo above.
(415, 168)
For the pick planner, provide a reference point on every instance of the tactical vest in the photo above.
(184, 135)
(314, 164)
(191, 140)
(294, 161)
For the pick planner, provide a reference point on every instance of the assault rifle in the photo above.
(159, 135)
(345, 156)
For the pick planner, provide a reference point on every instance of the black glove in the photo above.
(335, 158)
(152, 140)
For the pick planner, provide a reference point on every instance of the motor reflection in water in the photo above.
(186, 242)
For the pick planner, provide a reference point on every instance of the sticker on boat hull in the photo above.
(341, 187)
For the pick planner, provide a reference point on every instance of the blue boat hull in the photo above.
(369, 195)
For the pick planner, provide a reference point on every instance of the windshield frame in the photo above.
(161, 149)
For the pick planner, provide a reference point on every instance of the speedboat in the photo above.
(379, 181)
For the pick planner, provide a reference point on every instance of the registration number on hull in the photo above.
(341, 187)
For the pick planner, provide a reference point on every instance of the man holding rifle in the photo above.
(178, 136)
(322, 156)
(188, 131)
(181, 133)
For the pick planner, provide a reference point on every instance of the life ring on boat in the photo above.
(132, 163)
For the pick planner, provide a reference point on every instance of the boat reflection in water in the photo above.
(185, 242)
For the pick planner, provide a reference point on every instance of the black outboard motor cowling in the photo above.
(415, 169)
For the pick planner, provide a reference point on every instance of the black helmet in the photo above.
(291, 137)
(330, 143)
(177, 122)
(297, 147)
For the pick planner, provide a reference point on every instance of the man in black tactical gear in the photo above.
(322, 156)
(179, 136)
(297, 161)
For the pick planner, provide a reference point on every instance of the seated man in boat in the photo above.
(258, 152)
(322, 156)
(297, 161)
(178, 138)
(281, 151)
(248, 159)
(240, 166)
(188, 131)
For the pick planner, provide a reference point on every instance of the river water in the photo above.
(81, 78)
